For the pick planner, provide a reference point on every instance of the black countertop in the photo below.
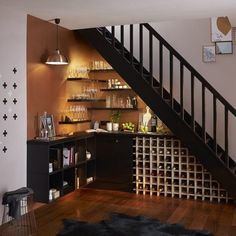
(84, 134)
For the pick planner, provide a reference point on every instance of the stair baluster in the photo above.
(173, 111)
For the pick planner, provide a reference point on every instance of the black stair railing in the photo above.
(167, 92)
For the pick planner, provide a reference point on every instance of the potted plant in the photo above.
(115, 118)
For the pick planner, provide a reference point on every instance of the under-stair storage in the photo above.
(58, 167)
(162, 166)
(154, 82)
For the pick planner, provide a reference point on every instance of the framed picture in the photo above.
(46, 125)
(224, 47)
(209, 53)
(221, 29)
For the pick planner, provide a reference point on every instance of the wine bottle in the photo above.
(153, 123)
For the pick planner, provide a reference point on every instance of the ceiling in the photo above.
(77, 14)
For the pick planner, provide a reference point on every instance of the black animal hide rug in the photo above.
(124, 225)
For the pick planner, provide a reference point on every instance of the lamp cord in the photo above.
(57, 39)
(57, 22)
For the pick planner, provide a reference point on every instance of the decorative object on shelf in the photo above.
(88, 155)
(114, 101)
(128, 126)
(115, 119)
(56, 58)
(46, 126)
(108, 101)
(79, 72)
(89, 180)
(145, 120)
(109, 126)
(134, 102)
(143, 128)
(77, 183)
(75, 114)
(89, 93)
(68, 156)
(96, 125)
(209, 54)
(53, 194)
(50, 167)
(153, 123)
(100, 65)
(116, 84)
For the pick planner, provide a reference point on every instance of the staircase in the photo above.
(161, 99)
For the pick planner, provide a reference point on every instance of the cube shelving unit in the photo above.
(163, 167)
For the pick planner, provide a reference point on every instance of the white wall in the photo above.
(13, 54)
(188, 38)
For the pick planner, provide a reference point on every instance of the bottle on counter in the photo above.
(109, 84)
(134, 102)
(153, 123)
(108, 101)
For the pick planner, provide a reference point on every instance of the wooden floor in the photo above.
(93, 205)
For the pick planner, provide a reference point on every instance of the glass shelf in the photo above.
(85, 100)
(74, 122)
(86, 79)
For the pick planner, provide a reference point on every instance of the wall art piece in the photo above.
(234, 34)
(209, 54)
(9, 109)
(221, 29)
(224, 47)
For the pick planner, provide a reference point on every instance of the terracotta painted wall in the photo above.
(46, 85)
(47, 88)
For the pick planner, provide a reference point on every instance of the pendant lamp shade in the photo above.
(56, 58)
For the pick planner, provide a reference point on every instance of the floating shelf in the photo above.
(74, 122)
(86, 100)
(101, 70)
(113, 108)
(86, 79)
(116, 89)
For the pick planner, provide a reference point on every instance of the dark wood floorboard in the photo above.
(94, 205)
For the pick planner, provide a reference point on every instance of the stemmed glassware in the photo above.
(77, 113)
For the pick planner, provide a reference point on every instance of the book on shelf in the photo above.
(68, 156)
(55, 158)
(96, 130)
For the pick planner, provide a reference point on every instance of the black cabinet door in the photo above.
(114, 161)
